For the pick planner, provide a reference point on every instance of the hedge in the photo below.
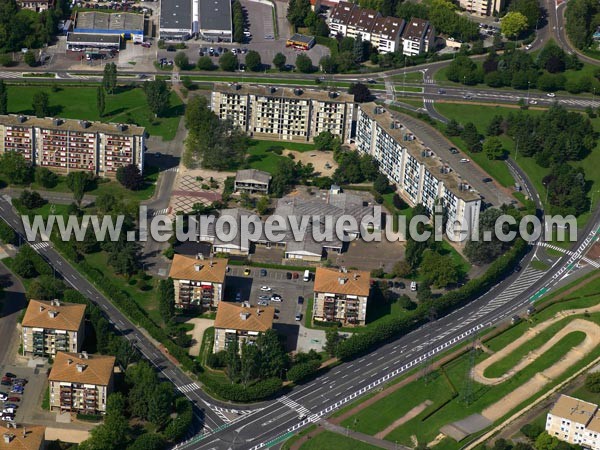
(238, 393)
(302, 371)
(178, 427)
(392, 327)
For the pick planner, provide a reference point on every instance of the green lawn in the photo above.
(260, 158)
(127, 106)
(400, 88)
(417, 103)
(331, 440)
(540, 265)
(410, 77)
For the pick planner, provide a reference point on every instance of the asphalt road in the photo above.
(13, 302)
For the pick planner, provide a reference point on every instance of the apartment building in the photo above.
(30, 437)
(482, 7)
(198, 282)
(80, 382)
(575, 421)
(420, 176)
(66, 145)
(418, 37)
(341, 296)
(36, 5)
(286, 114)
(240, 322)
(349, 19)
(50, 327)
(252, 181)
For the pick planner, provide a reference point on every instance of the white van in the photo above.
(306, 275)
(413, 286)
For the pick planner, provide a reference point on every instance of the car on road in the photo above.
(276, 298)
(530, 310)
(517, 268)
(551, 94)
(467, 96)
(441, 91)
(465, 160)
(533, 102)
(263, 272)
(528, 47)
(487, 180)
(266, 288)
(300, 299)
(288, 275)
(298, 317)
(246, 271)
(264, 297)
(9, 375)
(454, 150)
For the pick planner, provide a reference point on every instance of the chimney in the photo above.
(298, 91)
(333, 94)
(84, 123)
(69, 362)
(81, 367)
(52, 314)
(197, 267)
(84, 354)
(121, 127)
(41, 308)
(244, 315)
(8, 437)
(258, 311)
(272, 89)
(342, 280)
(57, 122)
(21, 119)
(199, 256)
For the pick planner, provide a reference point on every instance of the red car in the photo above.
(13, 399)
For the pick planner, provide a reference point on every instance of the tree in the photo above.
(492, 147)
(148, 441)
(7, 234)
(360, 91)
(326, 140)
(471, 136)
(157, 95)
(45, 287)
(279, 61)
(253, 62)
(205, 63)
(272, 355)
(402, 269)
(238, 21)
(100, 101)
(15, 168)
(78, 183)
(297, 12)
(181, 60)
(513, 24)
(359, 49)
(31, 199)
(494, 128)
(381, 184)
(233, 361)
(304, 63)
(142, 380)
(109, 78)
(592, 382)
(332, 339)
(438, 270)
(262, 206)
(160, 404)
(249, 363)
(228, 62)
(328, 64)
(545, 442)
(3, 98)
(24, 267)
(130, 177)
(532, 431)
(29, 58)
(453, 128)
(40, 104)
(166, 298)
(529, 8)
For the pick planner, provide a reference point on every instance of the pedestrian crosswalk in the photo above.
(429, 81)
(570, 253)
(8, 74)
(428, 100)
(294, 405)
(160, 212)
(188, 388)
(172, 169)
(582, 102)
(40, 245)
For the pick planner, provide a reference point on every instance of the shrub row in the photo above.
(302, 371)
(238, 393)
(390, 328)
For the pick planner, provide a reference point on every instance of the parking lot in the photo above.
(29, 398)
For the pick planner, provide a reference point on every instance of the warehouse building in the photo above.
(182, 19)
(105, 30)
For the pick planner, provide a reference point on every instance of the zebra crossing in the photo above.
(188, 388)
(160, 212)
(570, 253)
(40, 245)
(172, 169)
(293, 405)
(428, 100)
(582, 102)
(429, 81)
(7, 74)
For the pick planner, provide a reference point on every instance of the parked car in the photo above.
(8, 417)
(263, 272)
(288, 275)
(515, 319)
(390, 284)
(3, 396)
(454, 150)
(298, 317)
(300, 299)
(5, 383)
(295, 275)
(9, 375)
(11, 405)
(20, 381)
(465, 160)
(530, 310)
(399, 285)
(238, 297)
(17, 390)
(13, 399)
(8, 411)
(413, 286)
(265, 288)
(264, 297)
(487, 180)
(276, 298)
(246, 271)
(263, 303)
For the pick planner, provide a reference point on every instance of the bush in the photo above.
(238, 393)
(303, 370)
(532, 431)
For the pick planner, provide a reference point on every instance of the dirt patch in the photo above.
(405, 418)
(322, 161)
(196, 186)
(200, 326)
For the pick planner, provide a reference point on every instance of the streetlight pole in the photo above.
(528, 84)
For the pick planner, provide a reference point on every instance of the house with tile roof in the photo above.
(80, 382)
(198, 282)
(30, 437)
(240, 322)
(341, 295)
(49, 327)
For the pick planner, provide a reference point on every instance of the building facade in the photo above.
(66, 145)
(198, 283)
(50, 327)
(80, 382)
(36, 5)
(284, 113)
(341, 296)
(252, 181)
(349, 19)
(420, 176)
(575, 421)
(482, 7)
(418, 37)
(240, 323)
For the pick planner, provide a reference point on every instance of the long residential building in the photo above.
(341, 296)
(80, 382)
(482, 7)
(349, 19)
(240, 323)
(286, 114)
(50, 327)
(418, 37)
(420, 176)
(67, 145)
(575, 421)
(198, 282)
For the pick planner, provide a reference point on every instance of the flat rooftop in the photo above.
(93, 38)
(286, 92)
(394, 127)
(109, 21)
(215, 15)
(176, 15)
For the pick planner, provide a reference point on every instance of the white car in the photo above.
(551, 94)
(3, 396)
(528, 47)
(465, 160)
(276, 298)
(265, 288)
(8, 411)
(533, 102)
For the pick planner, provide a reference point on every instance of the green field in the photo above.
(128, 105)
(414, 89)
(331, 440)
(260, 158)
(410, 77)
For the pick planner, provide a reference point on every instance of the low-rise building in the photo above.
(30, 437)
(341, 296)
(241, 323)
(36, 5)
(50, 327)
(482, 7)
(80, 382)
(285, 114)
(252, 181)
(67, 145)
(575, 421)
(300, 42)
(418, 37)
(198, 282)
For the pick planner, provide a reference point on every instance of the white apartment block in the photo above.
(284, 113)
(575, 421)
(349, 19)
(420, 176)
(66, 145)
(418, 37)
(482, 7)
